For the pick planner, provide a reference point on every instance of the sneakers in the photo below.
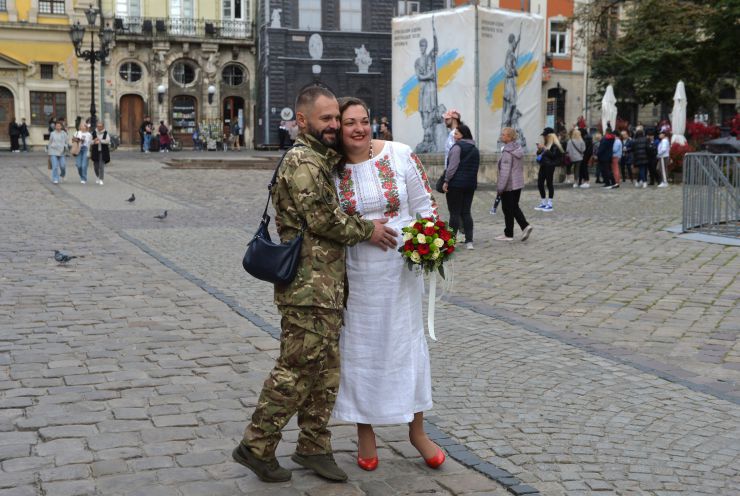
(469, 246)
(663, 185)
(323, 465)
(527, 231)
(585, 185)
(546, 208)
(638, 184)
(100, 182)
(542, 205)
(615, 186)
(83, 181)
(576, 185)
(266, 470)
(55, 181)
(504, 237)
(606, 186)
(644, 185)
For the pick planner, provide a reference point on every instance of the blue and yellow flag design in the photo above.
(526, 66)
(448, 64)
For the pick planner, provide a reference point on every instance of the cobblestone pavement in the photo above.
(599, 357)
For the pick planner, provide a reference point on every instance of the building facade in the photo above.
(186, 62)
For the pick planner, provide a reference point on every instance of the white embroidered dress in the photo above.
(385, 374)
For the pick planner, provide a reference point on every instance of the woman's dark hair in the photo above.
(465, 131)
(346, 102)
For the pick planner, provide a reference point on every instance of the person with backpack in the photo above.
(576, 149)
(100, 151)
(461, 181)
(641, 156)
(549, 156)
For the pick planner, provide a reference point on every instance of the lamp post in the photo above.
(77, 33)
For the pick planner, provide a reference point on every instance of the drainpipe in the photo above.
(265, 67)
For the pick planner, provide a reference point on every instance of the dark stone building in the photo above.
(321, 41)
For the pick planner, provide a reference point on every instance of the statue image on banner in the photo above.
(510, 114)
(431, 112)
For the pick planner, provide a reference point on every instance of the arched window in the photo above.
(233, 75)
(130, 71)
(183, 73)
(727, 93)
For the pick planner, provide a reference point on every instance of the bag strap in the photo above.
(265, 217)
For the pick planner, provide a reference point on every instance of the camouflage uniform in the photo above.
(305, 378)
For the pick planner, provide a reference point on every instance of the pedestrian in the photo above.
(145, 133)
(617, 150)
(549, 156)
(385, 132)
(14, 131)
(52, 122)
(625, 164)
(196, 139)
(509, 185)
(100, 151)
(641, 156)
(604, 156)
(461, 181)
(452, 120)
(305, 377)
(235, 132)
(664, 151)
(24, 135)
(576, 148)
(588, 154)
(84, 138)
(164, 137)
(57, 147)
(383, 333)
(594, 159)
(376, 128)
(653, 158)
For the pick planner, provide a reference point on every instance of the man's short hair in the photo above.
(309, 95)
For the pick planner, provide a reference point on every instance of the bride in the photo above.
(385, 372)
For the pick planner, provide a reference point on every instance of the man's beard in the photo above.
(321, 136)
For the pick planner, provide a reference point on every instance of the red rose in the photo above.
(418, 227)
(408, 246)
(450, 249)
(423, 249)
(440, 223)
(428, 231)
(445, 235)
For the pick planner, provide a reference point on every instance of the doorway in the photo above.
(132, 115)
(233, 106)
(7, 112)
(184, 118)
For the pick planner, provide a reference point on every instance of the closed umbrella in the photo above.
(678, 117)
(608, 109)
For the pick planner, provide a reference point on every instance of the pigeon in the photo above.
(131, 199)
(161, 216)
(62, 257)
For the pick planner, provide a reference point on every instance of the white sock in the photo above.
(549, 201)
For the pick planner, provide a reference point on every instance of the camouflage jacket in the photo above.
(305, 190)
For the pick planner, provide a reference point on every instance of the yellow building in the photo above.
(185, 62)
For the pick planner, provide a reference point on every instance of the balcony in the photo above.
(181, 28)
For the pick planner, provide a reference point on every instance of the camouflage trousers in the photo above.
(305, 381)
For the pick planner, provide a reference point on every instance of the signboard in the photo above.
(484, 63)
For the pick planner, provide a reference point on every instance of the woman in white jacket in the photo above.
(84, 138)
(664, 151)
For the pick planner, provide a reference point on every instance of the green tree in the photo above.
(650, 45)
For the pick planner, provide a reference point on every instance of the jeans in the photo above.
(459, 202)
(510, 206)
(642, 176)
(81, 163)
(147, 142)
(24, 147)
(580, 170)
(626, 168)
(606, 172)
(99, 166)
(545, 175)
(58, 167)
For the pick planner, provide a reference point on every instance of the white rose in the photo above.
(439, 242)
(429, 224)
(435, 255)
(415, 257)
(407, 236)
(421, 238)
(413, 223)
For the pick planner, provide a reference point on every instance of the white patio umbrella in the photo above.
(678, 117)
(608, 109)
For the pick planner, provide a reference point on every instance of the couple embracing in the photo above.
(353, 193)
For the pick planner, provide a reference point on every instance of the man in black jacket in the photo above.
(14, 130)
(24, 134)
(641, 147)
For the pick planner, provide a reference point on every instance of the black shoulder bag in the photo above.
(272, 262)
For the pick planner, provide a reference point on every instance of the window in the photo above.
(558, 37)
(3, 5)
(51, 6)
(183, 73)
(407, 8)
(44, 105)
(233, 75)
(350, 15)
(182, 8)
(234, 9)
(309, 14)
(130, 71)
(125, 8)
(47, 71)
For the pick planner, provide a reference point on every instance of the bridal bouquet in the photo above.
(427, 243)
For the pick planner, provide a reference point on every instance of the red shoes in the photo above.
(437, 460)
(368, 464)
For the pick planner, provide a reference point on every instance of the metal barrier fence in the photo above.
(711, 194)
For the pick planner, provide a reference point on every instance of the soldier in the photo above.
(305, 378)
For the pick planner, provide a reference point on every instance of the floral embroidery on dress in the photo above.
(390, 188)
(347, 193)
(425, 183)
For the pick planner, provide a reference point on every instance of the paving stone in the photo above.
(69, 488)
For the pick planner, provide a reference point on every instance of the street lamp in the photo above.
(160, 93)
(77, 34)
(211, 92)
